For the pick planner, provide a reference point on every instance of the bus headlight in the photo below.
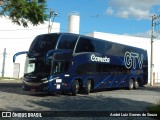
(44, 80)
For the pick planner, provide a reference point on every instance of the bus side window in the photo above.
(85, 45)
(107, 69)
(67, 42)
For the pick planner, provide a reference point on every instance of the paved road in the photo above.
(12, 98)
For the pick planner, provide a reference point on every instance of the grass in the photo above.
(8, 78)
(155, 109)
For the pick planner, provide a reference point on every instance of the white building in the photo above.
(15, 39)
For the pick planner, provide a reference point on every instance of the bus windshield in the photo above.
(36, 67)
(43, 43)
(39, 68)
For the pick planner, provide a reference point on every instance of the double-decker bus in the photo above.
(66, 62)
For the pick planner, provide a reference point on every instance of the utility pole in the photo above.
(50, 20)
(154, 17)
(52, 15)
(4, 59)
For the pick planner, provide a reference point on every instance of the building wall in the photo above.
(144, 43)
(17, 38)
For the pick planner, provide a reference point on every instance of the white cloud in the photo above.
(123, 14)
(133, 12)
(139, 9)
(109, 11)
(146, 34)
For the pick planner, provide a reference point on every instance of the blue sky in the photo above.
(111, 16)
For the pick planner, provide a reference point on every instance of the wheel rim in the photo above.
(131, 84)
(89, 86)
(77, 86)
(136, 84)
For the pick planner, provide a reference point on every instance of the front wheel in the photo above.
(75, 87)
(87, 88)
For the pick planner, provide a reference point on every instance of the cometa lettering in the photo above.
(99, 59)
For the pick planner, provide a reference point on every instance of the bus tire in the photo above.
(87, 88)
(131, 84)
(136, 84)
(75, 87)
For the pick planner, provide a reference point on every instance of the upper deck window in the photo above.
(85, 45)
(90, 45)
(44, 43)
(67, 42)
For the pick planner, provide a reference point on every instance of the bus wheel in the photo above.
(136, 84)
(87, 88)
(75, 87)
(131, 84)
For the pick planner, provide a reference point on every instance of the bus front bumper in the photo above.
(52, 85)
(35, 86)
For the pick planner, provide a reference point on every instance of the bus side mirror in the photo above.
(19, 53)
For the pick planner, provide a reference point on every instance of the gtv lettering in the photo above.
(131, 59)
(99, 59)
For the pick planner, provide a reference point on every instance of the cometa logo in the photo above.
(131, 59)
(99, 59)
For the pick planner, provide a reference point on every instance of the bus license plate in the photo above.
(33, 90)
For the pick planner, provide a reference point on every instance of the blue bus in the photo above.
(66, 62)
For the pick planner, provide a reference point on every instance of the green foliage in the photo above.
(23, 11)
(155, 108)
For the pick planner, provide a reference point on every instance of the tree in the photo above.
(23, 11)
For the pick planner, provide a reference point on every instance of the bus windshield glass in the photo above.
(37, 67)
(43, 43)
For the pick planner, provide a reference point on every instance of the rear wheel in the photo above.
(136, 84)
(87, 88)
(131, 84)
(75, 87)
